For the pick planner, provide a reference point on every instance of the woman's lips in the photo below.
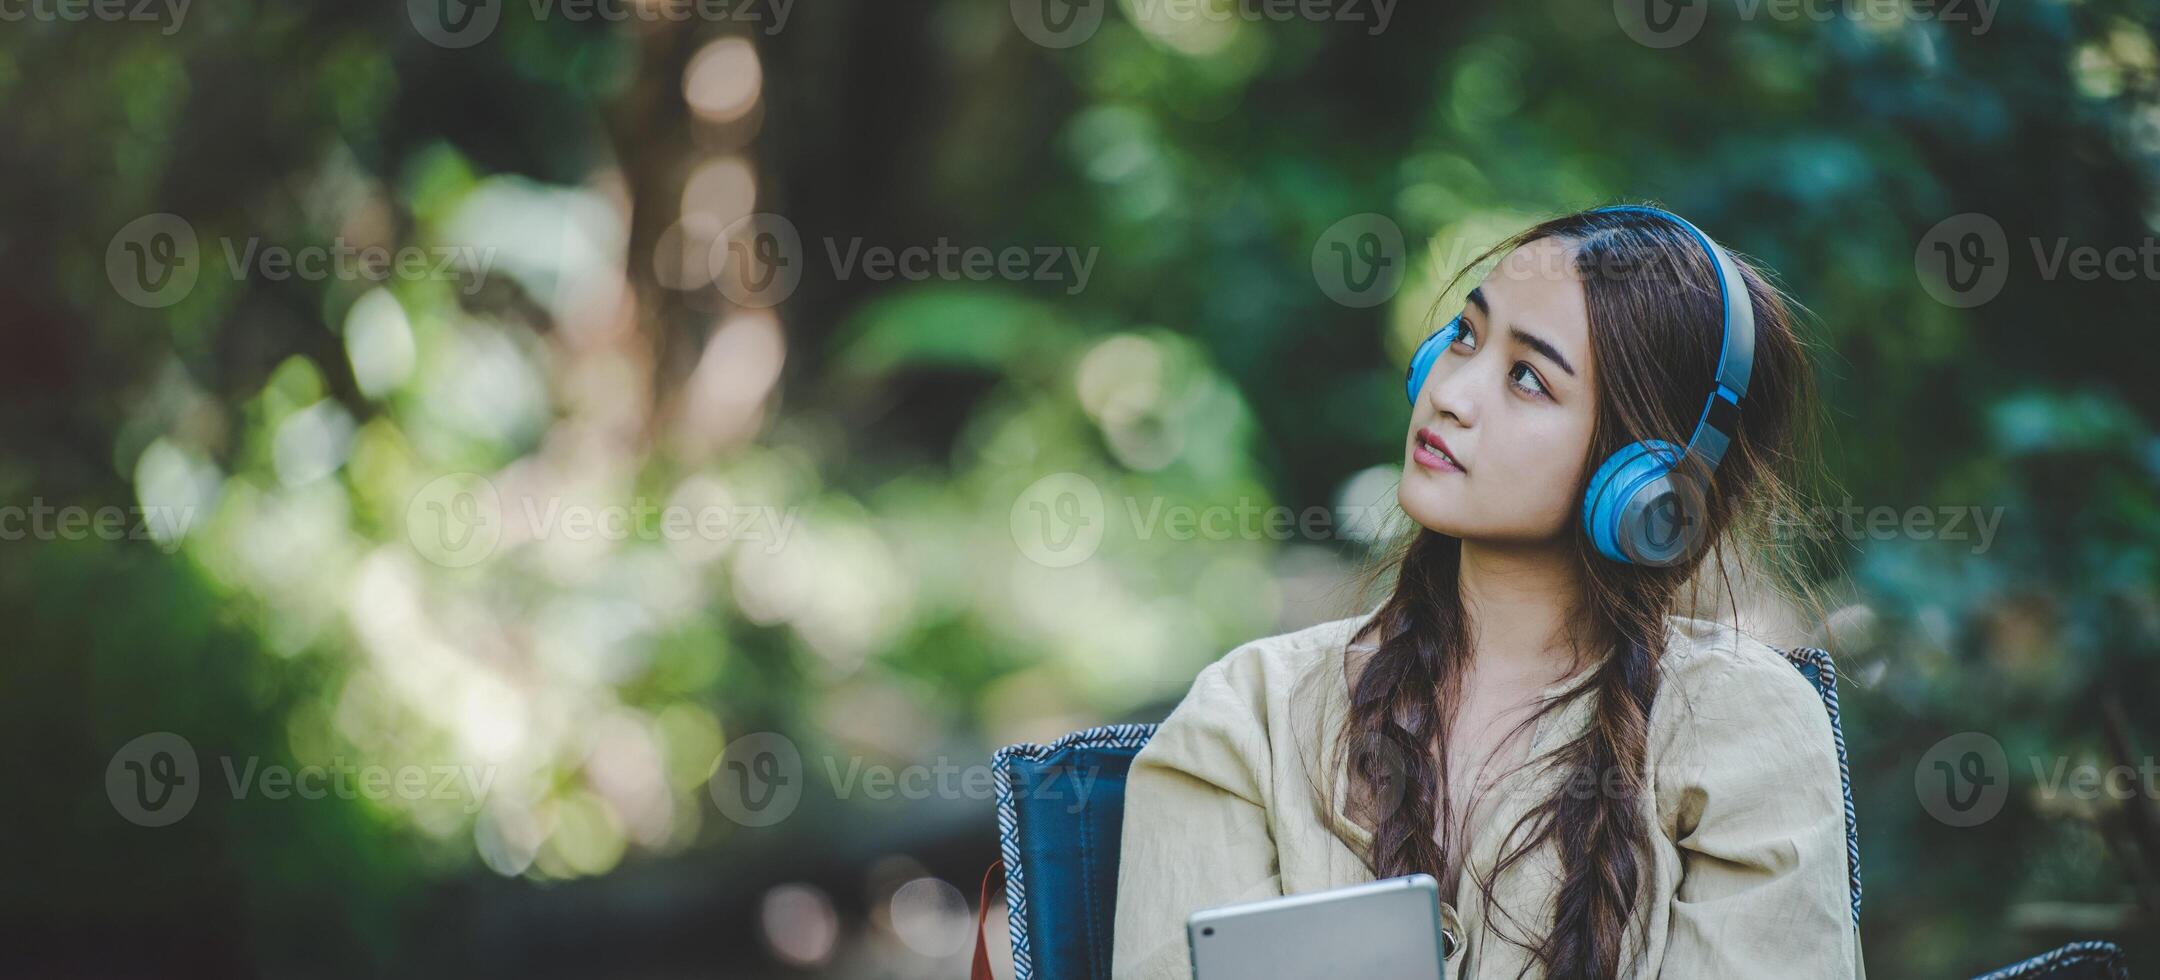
(1432, 453)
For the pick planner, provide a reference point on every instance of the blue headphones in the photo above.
(1637, 509)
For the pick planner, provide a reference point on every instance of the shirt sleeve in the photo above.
(1196, 832)
(1751, 794)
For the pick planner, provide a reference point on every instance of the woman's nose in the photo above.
(1451, 391)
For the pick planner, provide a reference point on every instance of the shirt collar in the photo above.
(1555, 727)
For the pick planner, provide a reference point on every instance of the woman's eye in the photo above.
(1525, 377)
(1465, 339)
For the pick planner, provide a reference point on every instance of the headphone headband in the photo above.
(1718, 424)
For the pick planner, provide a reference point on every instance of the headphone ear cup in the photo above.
(1617, 482)
(1661, 525)
(1428, 352)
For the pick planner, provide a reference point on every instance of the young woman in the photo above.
(1603, 785)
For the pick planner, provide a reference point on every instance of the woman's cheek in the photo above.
(1546, 496)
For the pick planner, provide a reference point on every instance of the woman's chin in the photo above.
(1433, 515)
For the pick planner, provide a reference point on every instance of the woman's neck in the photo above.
(1520, 602)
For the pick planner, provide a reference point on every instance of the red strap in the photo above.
(982, 918)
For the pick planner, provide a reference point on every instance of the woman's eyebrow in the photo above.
(1533, 341)
(1538, 344)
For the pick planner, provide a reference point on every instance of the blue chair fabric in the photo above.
(1060, 808)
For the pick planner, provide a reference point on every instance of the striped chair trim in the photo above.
(1820, 660)
(1130, 736)
(2106, 956)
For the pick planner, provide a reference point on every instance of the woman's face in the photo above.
(1513, 402)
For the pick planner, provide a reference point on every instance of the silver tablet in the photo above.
(1382, 930)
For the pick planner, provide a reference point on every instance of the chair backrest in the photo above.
(1060, 808)
(2076, 961)
(1814, 664)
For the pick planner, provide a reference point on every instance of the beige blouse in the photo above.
(1746, 879)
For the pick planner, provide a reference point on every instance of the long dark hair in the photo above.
(1654, 331)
